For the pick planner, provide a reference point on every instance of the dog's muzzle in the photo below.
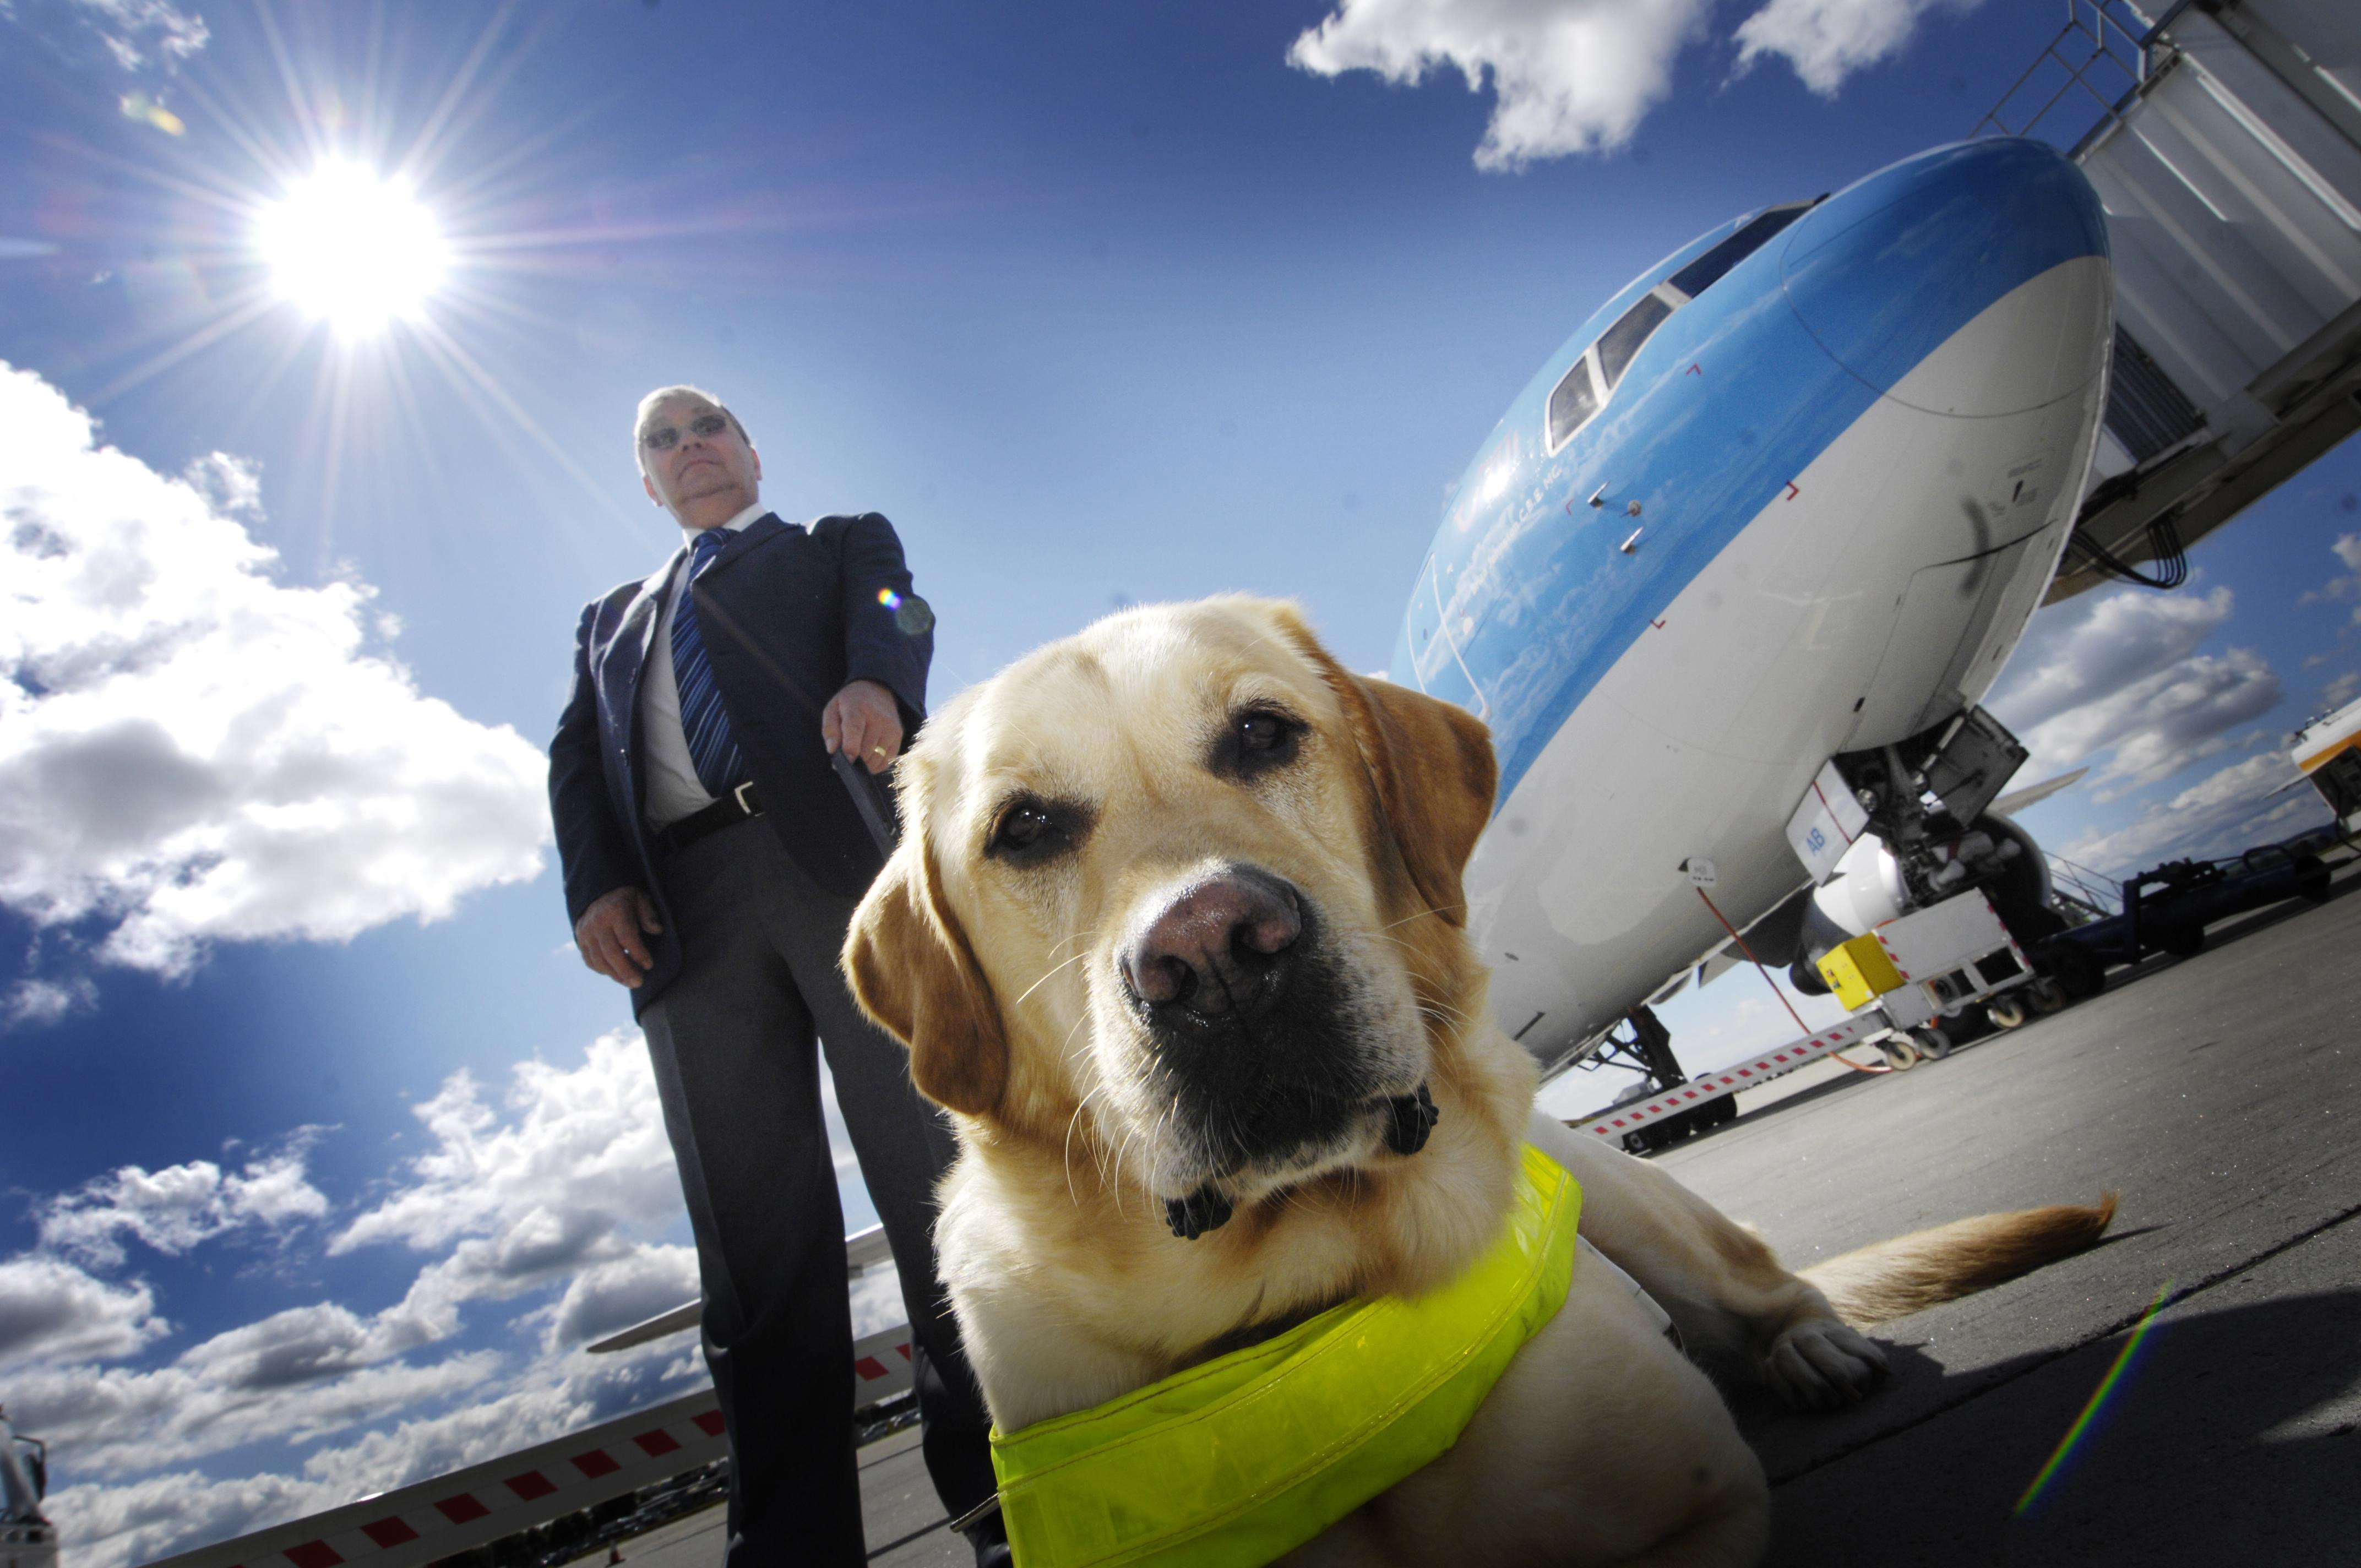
(1409, 1120)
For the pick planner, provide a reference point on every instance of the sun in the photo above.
(351, 247)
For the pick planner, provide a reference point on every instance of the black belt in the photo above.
(727, 812)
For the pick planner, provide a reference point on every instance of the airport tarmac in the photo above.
(2221, 1096)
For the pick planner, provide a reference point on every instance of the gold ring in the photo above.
(879, 749)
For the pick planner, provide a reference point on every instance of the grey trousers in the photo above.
(731, 1041)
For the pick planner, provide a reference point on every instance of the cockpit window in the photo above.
(1572, 402)
(1708, 270)
(1621, 341)
(1584, 388)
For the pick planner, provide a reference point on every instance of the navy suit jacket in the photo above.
(789, 615)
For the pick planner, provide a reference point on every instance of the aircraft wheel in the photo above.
(1932, 1041)
(2080, 975)
(2005, 1012)
(2045, 996)
(1900, 1054)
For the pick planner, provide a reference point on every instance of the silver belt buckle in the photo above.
(739, 794)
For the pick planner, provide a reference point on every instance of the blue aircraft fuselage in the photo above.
(1871, 340)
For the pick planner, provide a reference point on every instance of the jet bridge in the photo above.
(2224, 139)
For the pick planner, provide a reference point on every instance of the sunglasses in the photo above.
(664, 438)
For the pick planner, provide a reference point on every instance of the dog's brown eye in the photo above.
(1033, 831)
(1256, 739)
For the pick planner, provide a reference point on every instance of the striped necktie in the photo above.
(703, 721)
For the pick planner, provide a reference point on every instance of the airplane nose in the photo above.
(1887, 269)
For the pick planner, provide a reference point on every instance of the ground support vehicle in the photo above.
(2167, 908)
(28, 1540)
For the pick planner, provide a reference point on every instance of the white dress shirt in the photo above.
(674, 790)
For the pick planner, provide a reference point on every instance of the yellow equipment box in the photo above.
(1860, 970)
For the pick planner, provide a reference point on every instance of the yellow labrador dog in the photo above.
(1175, 931)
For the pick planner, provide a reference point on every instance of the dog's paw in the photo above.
(1821, 1365)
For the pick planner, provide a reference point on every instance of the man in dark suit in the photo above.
(712, 860)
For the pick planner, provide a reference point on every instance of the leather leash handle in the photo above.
(868, 794)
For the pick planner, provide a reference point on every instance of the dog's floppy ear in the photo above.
(913, 972)
(1432, 764)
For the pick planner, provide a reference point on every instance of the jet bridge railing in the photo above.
(2089, 70)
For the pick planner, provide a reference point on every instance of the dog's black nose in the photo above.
(1216, 949)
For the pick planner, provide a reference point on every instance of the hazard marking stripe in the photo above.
(1710, 1086)
(416, 1526)
(530, 1484)
(870, 1368)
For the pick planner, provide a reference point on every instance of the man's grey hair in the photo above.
(662, 395)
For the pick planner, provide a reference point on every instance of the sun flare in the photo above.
(355, 249)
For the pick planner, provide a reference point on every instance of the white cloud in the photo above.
(2341, 690)
(114, 1526)
(52, 1310)
(1828, 40)
(150, 37)
(143, 32)
(618, 1293)
(120, 1420)
(585, 1158)
(1575, 76)
(2229, 810)
(38, 1001)
(877, 1299)
(174, 1209)
(563, 1185)
(191, 752)
(2348, 549)
(1568, 76)
(2119, 675)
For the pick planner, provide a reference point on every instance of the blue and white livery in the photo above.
(1793, 493)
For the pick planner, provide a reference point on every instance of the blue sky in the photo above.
(325, 1153)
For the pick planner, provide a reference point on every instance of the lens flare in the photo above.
(353, 249)
(2085, 1423)
(889, 598)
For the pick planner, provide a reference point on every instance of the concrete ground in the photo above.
(2221, 1096)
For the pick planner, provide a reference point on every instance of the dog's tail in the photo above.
(1892, 1278)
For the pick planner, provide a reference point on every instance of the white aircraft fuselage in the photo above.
(1794, 492)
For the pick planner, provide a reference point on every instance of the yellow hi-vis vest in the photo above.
(1247, 1456)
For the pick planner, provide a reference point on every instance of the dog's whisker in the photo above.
(1045, 980)
(1420, 914)
(1079, 1106)
(1065, 1049)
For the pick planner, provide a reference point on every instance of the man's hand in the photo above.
(609, 935)
(863, 722)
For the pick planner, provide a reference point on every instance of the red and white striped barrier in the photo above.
(1613, 1123)
(432, 1520)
